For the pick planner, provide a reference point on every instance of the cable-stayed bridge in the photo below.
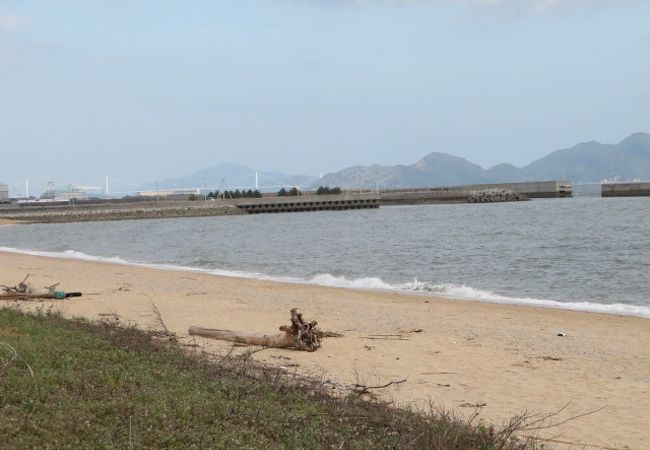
(254, 180)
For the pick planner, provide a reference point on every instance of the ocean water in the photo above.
(584, 253)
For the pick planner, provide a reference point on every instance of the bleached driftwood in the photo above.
(26, 290)
(300, 335)
(241, 337)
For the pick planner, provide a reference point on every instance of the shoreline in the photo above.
(507, 358)
(615, 309)
(4, 222)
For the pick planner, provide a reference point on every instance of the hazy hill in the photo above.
(586, 162)
(232, 176)
(583, 163)
(593, 161)
(443, 168)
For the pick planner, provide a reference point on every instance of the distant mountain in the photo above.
(583, 163)
(593, 161)
(589, 162)
(441, 168)
(232, 176)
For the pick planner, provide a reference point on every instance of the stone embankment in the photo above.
(495, 195)
(90, 215)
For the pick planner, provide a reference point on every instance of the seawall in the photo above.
(310, 202)
(534, 189)
(625, 190)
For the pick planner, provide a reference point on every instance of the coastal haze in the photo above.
(145, 93)
(585, 163)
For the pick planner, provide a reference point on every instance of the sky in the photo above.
(152, 89)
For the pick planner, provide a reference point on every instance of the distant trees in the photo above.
(242, 194)
(325, 190)
(250, 193)
(293, 192)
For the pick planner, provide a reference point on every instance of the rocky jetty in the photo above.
(90, 215)
(495, 195)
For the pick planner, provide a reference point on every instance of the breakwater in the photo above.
(56, 213)
(496, 195)
(625, 190)
(60, 215)
(457, 194)
(338, 202)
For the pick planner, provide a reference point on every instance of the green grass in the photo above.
(103, 386)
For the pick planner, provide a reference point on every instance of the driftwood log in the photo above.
(300, 335)
(26, 290)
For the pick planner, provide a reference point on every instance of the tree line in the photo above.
(325, 190)
(255, 193)
(293, 192)
(250, 193)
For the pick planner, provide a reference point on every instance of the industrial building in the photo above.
(168, 192)
(4, 193)
(63, 195)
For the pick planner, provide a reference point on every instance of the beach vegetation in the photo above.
(78, 384)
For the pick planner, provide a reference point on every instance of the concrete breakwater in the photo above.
(88, 215)
(338, 202)
(535, 189)
(45, 213)
(625, 190)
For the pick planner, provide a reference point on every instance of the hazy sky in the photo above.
(148, 89)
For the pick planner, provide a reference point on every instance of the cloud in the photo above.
(535, 5)
(10, 22)
(531, 5)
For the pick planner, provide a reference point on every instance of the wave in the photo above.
(462, 292)
(453, 291)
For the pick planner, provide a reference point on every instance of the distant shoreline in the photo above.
(9, 222)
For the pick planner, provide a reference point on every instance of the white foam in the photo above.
(326, 279)
(454, 291)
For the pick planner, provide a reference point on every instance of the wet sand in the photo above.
(505, 359)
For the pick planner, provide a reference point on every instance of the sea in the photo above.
(583, 253)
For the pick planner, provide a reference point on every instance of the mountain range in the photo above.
(589, 162)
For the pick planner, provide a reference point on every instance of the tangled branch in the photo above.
(13, 357)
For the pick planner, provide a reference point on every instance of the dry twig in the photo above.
(529, 426)
(360, 389)
(14, 356)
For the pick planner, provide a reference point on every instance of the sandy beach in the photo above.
(505, 359)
